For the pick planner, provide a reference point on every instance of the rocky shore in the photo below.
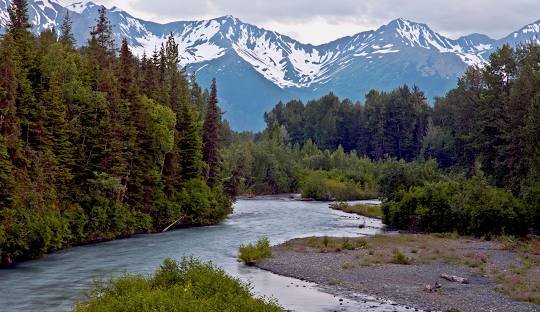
(407, 270)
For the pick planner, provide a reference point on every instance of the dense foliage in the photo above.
(480, 140)
(96, 143)
(468, 207)
(186, 286)
(489, 123)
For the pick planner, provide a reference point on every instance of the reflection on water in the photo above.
(56, 281)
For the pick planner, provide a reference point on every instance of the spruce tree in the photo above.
(127, 70)
(67, 37)
(211, 128)
(189, 143)
(101, 42)
(18, 18)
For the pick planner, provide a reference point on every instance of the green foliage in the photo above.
(160, 124)
(95, 145)
(390, 124)
(321, 185)
(532, 198)
(251, 253)
(203, 205)
(468, 207)
(211, 128)
(189, 285)
(399, 175)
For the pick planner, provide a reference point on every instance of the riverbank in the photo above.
(407, 269)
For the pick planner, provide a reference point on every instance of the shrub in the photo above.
(399, 176)
(486, 210)
(186, 286)
(204, 205)
(399, 258)
(469, 207)
(251, 253)
(335, 185)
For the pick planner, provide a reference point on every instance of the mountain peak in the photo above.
(80, 6)
(405, 23)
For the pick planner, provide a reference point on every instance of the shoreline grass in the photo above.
(370, 211)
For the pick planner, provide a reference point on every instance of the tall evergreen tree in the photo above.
(101, 42)
(18, 18)
(66, 31)
(127, 71)
(211, 130)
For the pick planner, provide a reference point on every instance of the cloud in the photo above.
(318, 21)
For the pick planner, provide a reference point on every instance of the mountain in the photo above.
(256, 68)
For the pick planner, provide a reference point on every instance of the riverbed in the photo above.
(57, 281)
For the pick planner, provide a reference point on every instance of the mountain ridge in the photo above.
(256, 67)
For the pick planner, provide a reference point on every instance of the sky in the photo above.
(320, 21)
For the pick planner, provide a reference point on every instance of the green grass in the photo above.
(370, 211)
(330, 244)
(189, 285)
(251, 253)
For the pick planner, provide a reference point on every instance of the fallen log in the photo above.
(453, 278)
(173, 224)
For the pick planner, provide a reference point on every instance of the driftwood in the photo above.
(173, 224)
(453, 278)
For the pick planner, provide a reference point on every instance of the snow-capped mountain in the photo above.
(255, 67)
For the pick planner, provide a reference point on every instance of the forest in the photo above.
(97, 144)
(470, 163)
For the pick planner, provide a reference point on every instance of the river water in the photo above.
(56, 281)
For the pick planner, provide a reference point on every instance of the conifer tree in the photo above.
(211, 128)
(67, 37)
(18, 18)
(189, 143)
(101, 42)
(127, 69)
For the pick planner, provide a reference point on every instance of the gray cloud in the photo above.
(454, 18)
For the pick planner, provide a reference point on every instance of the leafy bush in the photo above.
(397, 176)
(186, 286)
(322, 185)
(204, 205)
(422, 208)
(468, 207)
(251, 253)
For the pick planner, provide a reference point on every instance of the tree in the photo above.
(211, 130)
(127, 71)
(101, 42)
(66, 31)
(18, 18)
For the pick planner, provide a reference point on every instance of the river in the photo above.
(56, 281)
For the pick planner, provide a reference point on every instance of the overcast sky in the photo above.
(319, 21)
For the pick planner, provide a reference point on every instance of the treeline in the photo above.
(469, 164)
(97, 144)
(390, 124)
(489, 123)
